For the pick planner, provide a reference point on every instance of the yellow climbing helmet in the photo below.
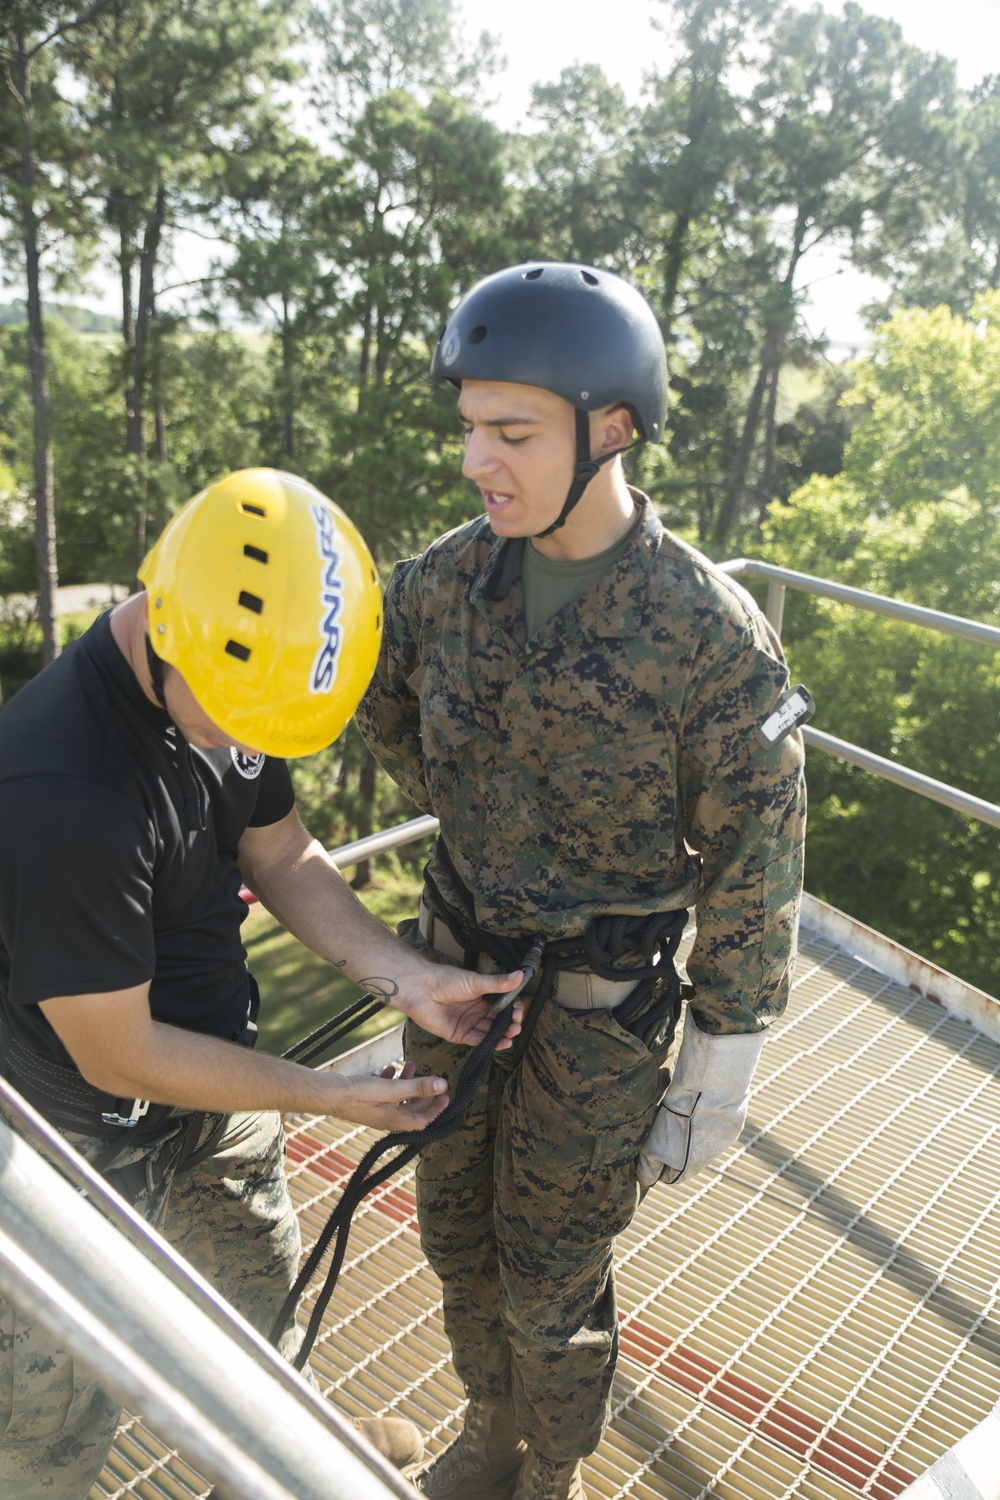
(265, 598)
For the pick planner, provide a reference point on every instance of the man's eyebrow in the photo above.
(512, 421)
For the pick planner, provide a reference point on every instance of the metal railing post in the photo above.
(775, 609)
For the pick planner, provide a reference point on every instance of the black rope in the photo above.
(650, 1011)
(367, 1176)
(324, 1037)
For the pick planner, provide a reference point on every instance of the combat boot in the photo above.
(541, 1479)
(398, 1440)
(483, 1461)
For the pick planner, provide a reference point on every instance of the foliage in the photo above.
(913, 514)
(340, 153)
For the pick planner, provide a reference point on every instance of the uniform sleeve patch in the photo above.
(792, 709)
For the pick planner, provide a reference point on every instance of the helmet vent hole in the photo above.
(253, 510)
(257, 553)
(588, 278)
(478, 334)
(251, 601)
(237, 649)
(534, 275)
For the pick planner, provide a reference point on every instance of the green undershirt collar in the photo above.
(550, 584)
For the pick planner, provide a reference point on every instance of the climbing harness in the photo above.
(649, 1011)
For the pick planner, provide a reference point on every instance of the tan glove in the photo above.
(705, 1107)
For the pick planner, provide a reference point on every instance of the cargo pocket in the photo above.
(574, 1118)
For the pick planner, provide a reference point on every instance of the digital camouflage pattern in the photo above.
(519, 1210)
(609, 764)
(230, 1216)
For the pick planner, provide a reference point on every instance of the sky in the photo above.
(541, 37)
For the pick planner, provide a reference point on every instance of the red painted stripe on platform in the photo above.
(791, 1428)
(334, 1167)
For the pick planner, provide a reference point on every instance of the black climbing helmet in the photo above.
(577, 331)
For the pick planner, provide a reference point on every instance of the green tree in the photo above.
(568, 202)
(695, 139)
(40, 160)
(913, 514)
(955, 255)
(289, 253)
(857, 129)
(178, 93)
(371, 47)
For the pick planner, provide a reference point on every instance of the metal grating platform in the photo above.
(816, 1318)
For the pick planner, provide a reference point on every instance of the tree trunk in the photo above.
(366, 814)
(767, 471)
(159, 419)
(287, 383)
(770, 364)
(729, 510)
(45, 516)
(136, 434)
(673, 262)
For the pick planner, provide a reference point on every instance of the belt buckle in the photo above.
(139, 1108)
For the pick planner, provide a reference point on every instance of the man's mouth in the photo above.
(495, 501)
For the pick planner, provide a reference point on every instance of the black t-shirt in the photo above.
(103, 882)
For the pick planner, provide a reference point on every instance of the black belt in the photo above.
(639, 950)
(64, 1096)
(60, 1092)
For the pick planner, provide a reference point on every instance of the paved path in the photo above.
(73, 597)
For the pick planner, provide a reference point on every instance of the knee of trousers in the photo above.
(559, 1299)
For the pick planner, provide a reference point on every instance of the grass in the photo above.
(300, 991)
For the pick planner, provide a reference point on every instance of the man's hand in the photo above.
(294, 878)
(388, 1105)
(119, 1048)
(453, 1003)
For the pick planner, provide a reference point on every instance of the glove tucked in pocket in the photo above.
(705, 1107)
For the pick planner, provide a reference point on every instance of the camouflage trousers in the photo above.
(518, 1213)
(230, 1216)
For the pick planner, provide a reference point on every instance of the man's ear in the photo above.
(615, 428)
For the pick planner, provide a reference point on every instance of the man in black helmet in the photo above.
(591, 710)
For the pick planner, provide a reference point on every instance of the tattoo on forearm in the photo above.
(383, 989)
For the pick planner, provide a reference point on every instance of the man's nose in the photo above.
(480, 457)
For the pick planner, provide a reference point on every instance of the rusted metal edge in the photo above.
(953, 994)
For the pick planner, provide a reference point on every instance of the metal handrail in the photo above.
(780, 579)
(43, 1138)
(236, 1416)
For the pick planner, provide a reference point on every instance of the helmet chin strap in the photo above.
(584, 470)
(156, 666)
(192, 786)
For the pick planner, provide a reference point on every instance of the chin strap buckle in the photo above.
(139, 1108)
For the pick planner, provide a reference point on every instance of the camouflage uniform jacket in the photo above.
(610, 763)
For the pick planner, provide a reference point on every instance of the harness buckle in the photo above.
(139, 1108)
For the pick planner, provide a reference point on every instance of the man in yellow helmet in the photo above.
(141, 784)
